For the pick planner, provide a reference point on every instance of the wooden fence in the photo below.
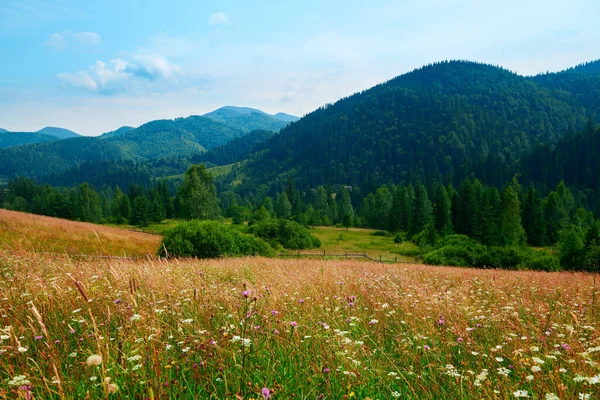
(346, 255)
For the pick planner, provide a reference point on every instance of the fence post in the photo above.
(346, 253)
(380, 258)
(298, 253)
(323, 253)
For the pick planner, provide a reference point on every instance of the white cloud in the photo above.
(137, 72)
(61, 40)
(218, 19)
(91, 38)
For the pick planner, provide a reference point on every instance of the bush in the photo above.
(210, 239)
(458, 250)
(288, 234)
(379, 233)
(544, 262)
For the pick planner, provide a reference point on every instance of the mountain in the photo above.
(120, 131)
(235, 150)
(436, 122)
(591, 68)
(181, 137)
(249, 119)
(12, 139)
(286, 117)
(58, 132)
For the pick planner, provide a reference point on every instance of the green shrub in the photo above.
(544, 262)
(288, 234)
(379, 233)
(458, 250)
(210, 239)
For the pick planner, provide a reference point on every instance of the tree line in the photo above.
(195, 199)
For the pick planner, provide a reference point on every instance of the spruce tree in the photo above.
(197, 195)
(511, 229)
(533, 218)
(441, 212)
(421, 212)
(395, 218)
(283, 208)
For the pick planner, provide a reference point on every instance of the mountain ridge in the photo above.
(434, 122)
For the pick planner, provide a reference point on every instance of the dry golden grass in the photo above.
(227, 329)
(21, 231)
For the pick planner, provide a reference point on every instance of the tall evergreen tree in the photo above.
(533, 218)
(197, 195)
(511, 229)
(421, 212)
(283, 208)
(441, 212)
(395, 218)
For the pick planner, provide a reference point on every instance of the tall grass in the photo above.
(298, 328)
(21, 231)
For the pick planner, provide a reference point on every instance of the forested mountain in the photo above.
(120, 131)
(181, 137)
(574, 159)
(592, 68)
(286, 117)
(60, 133)
(47, 134)
(12, 139)
(249, 119)
(435, 123)
(235, 150)
(44, 158)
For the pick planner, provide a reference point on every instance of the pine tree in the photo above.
(441, 212)
(345, 207)
(197, 195)
(533, 218)
(421, 212)
(283, 208)
(511, 229)
(395, 218)
(555, 216)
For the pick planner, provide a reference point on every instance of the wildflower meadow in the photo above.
(258, 328)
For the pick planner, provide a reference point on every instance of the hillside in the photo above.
(20, 231)
(249, 119)
(12, 139)
(117, 132)
(235, 150)
(436, 122)
(60, 133)
(574, 160)
(181, 137)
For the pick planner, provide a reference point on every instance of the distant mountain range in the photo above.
(47, 134)
(42, 153)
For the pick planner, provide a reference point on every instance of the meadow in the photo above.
(40, 234)
(256, 328)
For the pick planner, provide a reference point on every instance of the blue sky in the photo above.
(92, 66)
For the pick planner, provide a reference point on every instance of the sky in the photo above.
(93, 66)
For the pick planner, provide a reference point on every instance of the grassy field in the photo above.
(358, 240)
(253, 328)
(21, 231)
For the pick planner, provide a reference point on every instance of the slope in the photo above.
(181, 137)
(12, 139)
(120, 131)
(21, 231)
(433, 123)
(60, 133)
(249, 119)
